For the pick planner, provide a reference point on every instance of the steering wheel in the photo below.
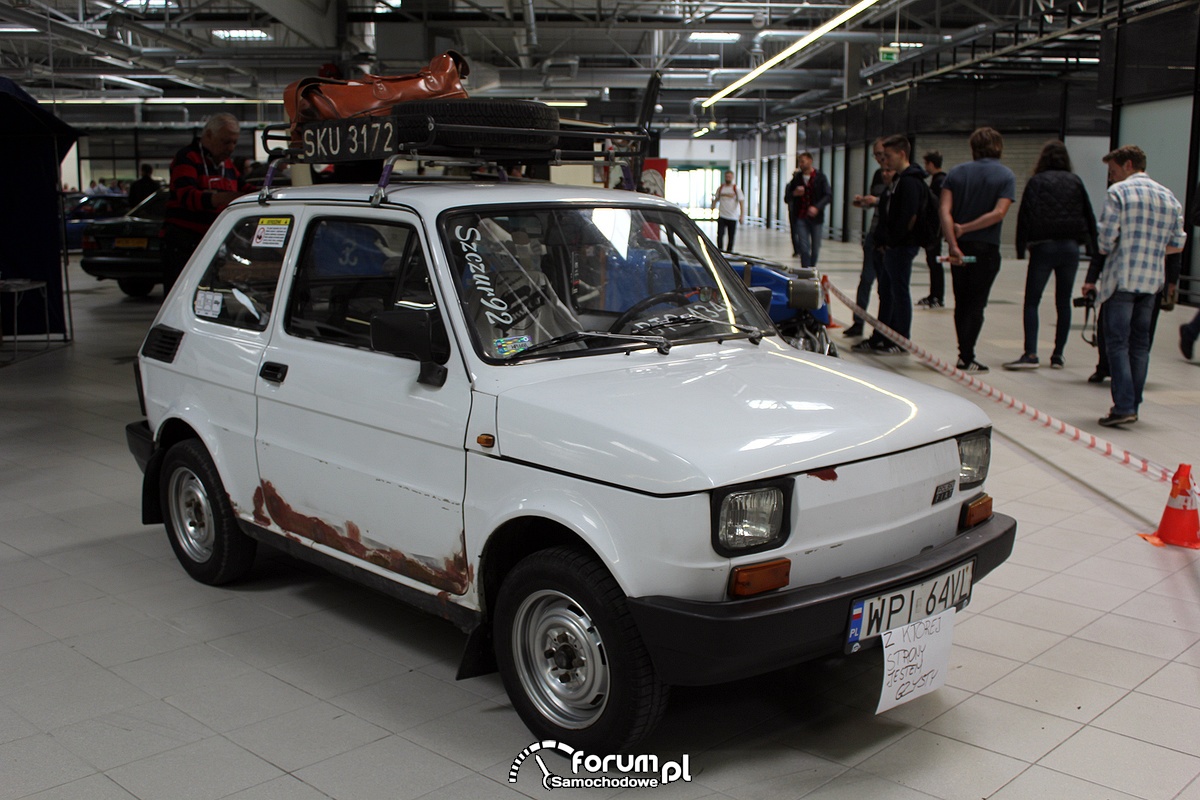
(674, 296)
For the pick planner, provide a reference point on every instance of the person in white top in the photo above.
(731, 209)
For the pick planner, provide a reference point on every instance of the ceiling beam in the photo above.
(314, 21)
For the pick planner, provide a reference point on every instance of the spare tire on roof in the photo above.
(540, 119)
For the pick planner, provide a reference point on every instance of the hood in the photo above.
(727, 415)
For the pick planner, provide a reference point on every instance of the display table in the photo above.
(18, 288)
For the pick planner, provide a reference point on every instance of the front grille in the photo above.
(162, 342)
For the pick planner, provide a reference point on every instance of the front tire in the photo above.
(199, 518)
(570, 655)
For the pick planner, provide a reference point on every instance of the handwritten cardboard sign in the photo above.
(916, 658)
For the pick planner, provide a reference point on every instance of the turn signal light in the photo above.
(755, 579)
(977, 511)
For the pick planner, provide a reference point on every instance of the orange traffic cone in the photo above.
(1180, 520)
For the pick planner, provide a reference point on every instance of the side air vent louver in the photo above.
(162, 343)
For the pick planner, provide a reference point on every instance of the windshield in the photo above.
(573, 280)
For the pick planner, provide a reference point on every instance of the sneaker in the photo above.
(1026, 361)
(1187, 344)
(854, 330)
(865, 346)
(1114, 419)
(1056, 362)
(974, 368)
(890, 349)
(930, 302)
(1098, 377)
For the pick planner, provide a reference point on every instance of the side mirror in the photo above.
(417, 334)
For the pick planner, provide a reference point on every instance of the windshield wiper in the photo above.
(661, 343)
(755, 335)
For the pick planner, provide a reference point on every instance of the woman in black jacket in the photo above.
(1055, 219)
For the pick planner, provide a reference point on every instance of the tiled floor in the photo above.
(1075, 673)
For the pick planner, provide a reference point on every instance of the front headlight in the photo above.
(974, 455)
(748, 519)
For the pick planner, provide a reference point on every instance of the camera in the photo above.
(1087, 301)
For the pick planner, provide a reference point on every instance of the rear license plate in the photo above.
(132, 243)
(871, 616)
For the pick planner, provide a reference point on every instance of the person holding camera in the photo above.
(1141, 224)
(1055, 218)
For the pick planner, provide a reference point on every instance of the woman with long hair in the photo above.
(1054, 220)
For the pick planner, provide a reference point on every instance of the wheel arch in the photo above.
(512, 541)
(170, 433)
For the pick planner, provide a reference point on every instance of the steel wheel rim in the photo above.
(191, 515)
(560, 659)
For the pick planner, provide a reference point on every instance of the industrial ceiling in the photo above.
(138, 61)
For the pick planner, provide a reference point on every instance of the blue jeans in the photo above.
(895, 294)
(806, 238)
(1127, 337)
(870, 270)
(1059, 257)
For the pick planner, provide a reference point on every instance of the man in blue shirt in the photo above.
(973, 202)
(1142, 222)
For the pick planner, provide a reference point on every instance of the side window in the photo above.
(349, 271)
(238, 288)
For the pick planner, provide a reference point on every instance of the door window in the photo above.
(238, 288)
(349, 271)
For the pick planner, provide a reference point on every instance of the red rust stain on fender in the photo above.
(260, 514)
(827, 474)
(453, 575)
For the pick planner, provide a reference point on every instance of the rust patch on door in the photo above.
(827, 474)
(452, 574)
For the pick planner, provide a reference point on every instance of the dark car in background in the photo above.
(127, 249)
(89, 208)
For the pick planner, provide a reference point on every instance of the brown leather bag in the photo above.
(313, 99)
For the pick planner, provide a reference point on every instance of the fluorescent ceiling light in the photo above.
(906, 45)
(696, 134)
(784, 55)
(244, 35)
(713, 36)
(385, 6)
(18, 29)
(147, 4)
(567, 103)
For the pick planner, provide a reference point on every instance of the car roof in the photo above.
(432, 197)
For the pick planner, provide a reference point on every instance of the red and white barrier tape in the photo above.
(1139, 464)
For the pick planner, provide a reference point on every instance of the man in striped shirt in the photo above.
(1142, 222)
(203, 181)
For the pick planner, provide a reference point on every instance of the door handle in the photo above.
(273, 372)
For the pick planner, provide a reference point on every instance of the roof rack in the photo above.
(401, 134)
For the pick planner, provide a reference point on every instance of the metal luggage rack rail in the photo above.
(391, 139)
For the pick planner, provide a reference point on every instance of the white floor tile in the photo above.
(1099, 662)
(206, 770)
(1053, 692)
(36, 763)
(1002, 727)
(306, 736)
(1125, 764)
(944, 767)
(1039, 783)
(390, 767)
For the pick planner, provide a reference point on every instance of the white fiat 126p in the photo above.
(556, 417)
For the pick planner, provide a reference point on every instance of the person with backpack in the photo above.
(907, 220)
(1055, 218)
(731, 209)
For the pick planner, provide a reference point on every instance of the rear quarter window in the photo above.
(238, 287)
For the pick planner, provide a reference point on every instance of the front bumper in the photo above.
(694, 643)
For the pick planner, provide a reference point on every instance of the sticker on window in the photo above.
(208, 304)
(511, 345)
(271, 232)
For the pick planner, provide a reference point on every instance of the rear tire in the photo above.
(572, 660)
(136, 287)
(199, 518)
(480, 112)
